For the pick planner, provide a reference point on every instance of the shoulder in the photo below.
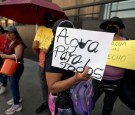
(19, 42)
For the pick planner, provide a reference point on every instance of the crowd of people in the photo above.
(53, 80)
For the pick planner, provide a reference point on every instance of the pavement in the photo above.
(31, 94)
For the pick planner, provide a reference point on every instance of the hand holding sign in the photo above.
(82, 76)
(76, 48)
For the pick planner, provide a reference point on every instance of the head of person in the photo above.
(1, 30)
(49, 20)
(12, 33)
(59, 23)
(62, 23)
(113, 25)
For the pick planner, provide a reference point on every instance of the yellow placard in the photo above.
(44, 36)
(122, 54)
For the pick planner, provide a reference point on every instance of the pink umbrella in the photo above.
(29, 11)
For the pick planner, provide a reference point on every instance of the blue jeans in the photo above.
(14, 84)
(3, 80)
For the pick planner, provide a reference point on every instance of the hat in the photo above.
(1, 29)
(112, 20)
(11, 29)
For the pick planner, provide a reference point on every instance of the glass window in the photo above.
(124, 9)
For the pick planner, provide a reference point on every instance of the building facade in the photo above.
(85, 14)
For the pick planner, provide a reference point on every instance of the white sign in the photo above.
(76, 48)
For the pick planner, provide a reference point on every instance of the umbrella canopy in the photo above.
(29, 11)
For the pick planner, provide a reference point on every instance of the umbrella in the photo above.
(29, 11)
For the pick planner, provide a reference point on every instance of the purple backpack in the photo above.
(82, 97)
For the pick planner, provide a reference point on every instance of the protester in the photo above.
(15, 48)
(59, 80)
(40, 45)
(3, 43)
(113, 75)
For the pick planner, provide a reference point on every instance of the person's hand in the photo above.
(35, 44)
(3, 56)
(83, 75)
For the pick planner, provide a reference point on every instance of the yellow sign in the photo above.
(122, 54)
(44, 36)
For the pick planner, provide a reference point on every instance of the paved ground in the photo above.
(30, 92)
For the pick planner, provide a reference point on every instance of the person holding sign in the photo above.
(40, 45)
(112, 75)
(60, 80)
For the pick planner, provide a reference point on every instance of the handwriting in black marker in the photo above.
(70, 59)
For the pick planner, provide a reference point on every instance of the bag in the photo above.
(51, 103)
(127, 89)
(82, 96)
(9, 66)
(63, 104)
(108, 87)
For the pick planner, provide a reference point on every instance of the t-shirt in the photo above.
(113, 73)
(4, 42)
(65, 100)
(49, 68)
(10, 49)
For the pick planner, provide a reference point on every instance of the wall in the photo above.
(28, 32)
(69, 3)
(128, 32)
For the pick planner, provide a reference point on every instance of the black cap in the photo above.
(116, 20)
(10, 29)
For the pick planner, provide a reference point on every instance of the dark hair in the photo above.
(115, 20)
(49, 16)
(17, 35)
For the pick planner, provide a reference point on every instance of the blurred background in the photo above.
(85, 14)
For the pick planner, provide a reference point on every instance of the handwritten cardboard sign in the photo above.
(76, 48)
(122, 54)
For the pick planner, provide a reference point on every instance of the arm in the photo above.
(18, 52)
(35, 47)
(55, 84)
